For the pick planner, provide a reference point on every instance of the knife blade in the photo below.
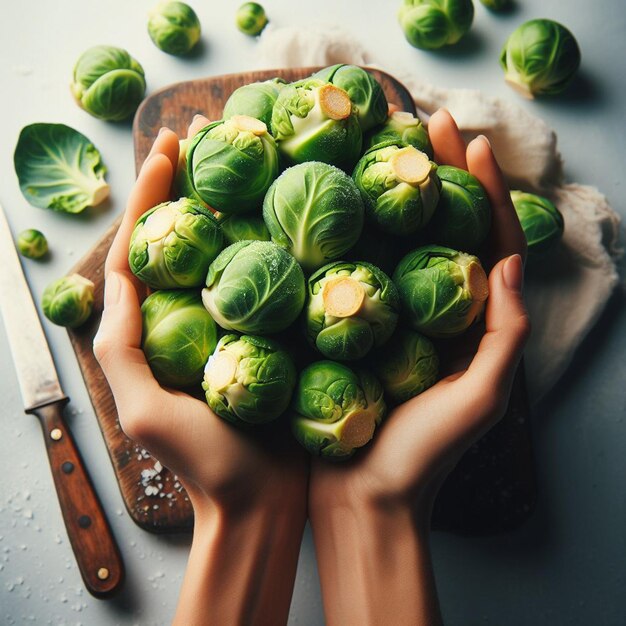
(96, 551)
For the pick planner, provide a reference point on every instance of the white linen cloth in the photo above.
(566, 297)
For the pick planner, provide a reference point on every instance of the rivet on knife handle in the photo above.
(97, 554)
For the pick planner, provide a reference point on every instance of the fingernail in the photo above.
(196, 116)
(112, 289)
(513, 273)
(161, 131)
(485, 139)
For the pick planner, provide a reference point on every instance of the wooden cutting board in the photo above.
(491, 490)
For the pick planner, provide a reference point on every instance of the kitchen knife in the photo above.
(95, 549)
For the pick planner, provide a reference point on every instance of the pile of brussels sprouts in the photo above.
(314, 253)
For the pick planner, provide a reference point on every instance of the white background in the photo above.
(567, 565)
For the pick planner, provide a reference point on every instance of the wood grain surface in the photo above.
(491, 490)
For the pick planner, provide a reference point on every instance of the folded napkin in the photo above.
(566, 295)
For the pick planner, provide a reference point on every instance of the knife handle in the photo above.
(95, 549)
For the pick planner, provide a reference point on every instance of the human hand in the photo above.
(375, 509)
(246, 491)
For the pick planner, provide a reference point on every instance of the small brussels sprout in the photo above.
(232, 163)
(249, 379)
(399, 186)
(431, 24)
(173, 244)
(251, 19)
(313, 120)
(315, 211)
(254, 100)
(178, 336)
(248, 226)
(442, 291)
(174, 27)
(364, 91)
(32, 244)
(254, 287)
(68, 301)
(497, 5)
(540, 58)
(352, 308)
(541, 221)
(108, 83)
(406, 365)
(336, 410)
(463, 215)
(401, 127)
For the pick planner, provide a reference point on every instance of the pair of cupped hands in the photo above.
(229, 474)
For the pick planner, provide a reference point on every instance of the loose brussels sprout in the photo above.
(254, 287)
(401, 127)
(364, 91)
(59, 168)
(249, 379)
(336, 409)
(540, 58)
(315, 211)
(251, 18)
(352, 307)
(463, 214)
(108, 83)
(497, 5)
(442, 291)
(178, 336)
(541, 221)
(174, 27)
(431, 24)
(173, 244)
(32, 244)
(399, 186)
(68, 301)
(248, 226)
(406, 365)
(313, 120)
(232, 163)
(254, 100)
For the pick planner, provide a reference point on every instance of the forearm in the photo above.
(241, 568)
(374, 566)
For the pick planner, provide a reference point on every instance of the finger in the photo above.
(197, 124)
(117, 347)
(446, 139)
(166, 143)
(506, 236)
(489, 376)
(151, 188)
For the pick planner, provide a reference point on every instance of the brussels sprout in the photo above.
(68, 301)
(58, 168)
(32, 244)
(313, 120)
(254, 100)
(352, 307)
(231, 164)
(336, 409)
(108, 83)
(178, 336)
(442, 291)
(463, 214)
(497, 5)
(540, 58)
(406, 365)
(541, 221)
(401, 127)
(254, 287)
(174, 27)
(249, 226)
(173, 244)
(399, 186)
(364, 91)
(251, 18)
(431, 24)
(315, 211)
(249, 379)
